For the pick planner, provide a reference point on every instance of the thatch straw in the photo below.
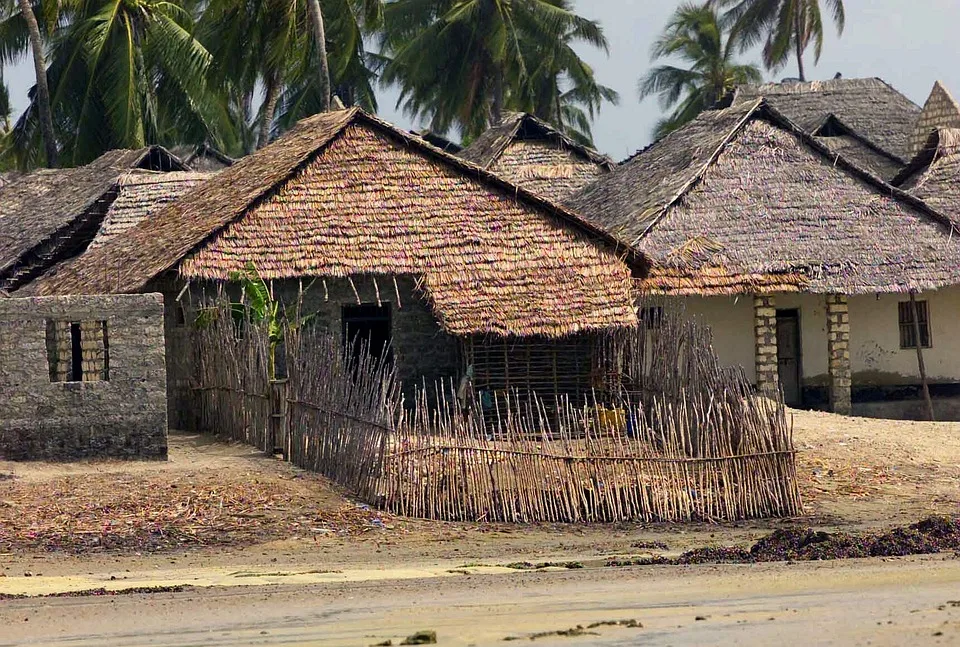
(345, 193)
(35, 206)
(774, 201)
(873, 108)
(536, 156)
(140, 194)
(934, 174)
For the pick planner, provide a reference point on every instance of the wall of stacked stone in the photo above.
(765, 338)
(838, 349)
(117, 409)
(940, 111)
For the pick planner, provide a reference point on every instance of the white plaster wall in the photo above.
(731, 320)
(875, 351)
(813, 333)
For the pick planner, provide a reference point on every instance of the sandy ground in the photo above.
(907, 601)
(274, 555)
(239, 507)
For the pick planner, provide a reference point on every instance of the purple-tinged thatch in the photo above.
(743, 192)
(871, 107)
(533, 154)
(346, 194)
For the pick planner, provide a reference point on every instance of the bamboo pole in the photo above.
(915, 311)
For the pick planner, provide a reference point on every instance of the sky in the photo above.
(908, 43)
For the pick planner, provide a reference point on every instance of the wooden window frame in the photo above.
(905, 320)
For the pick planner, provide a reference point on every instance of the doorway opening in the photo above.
(789, 356)
(366, 327)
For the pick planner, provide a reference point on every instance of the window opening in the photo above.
(907, 334)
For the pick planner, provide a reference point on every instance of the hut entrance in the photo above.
(788, 355)
(366, 327)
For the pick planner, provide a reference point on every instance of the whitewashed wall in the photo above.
(876, 356)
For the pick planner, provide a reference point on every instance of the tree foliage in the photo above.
(696, 36)
(785, 27)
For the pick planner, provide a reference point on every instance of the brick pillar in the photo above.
(838, 347)
(765, 335)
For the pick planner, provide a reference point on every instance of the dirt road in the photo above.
(894, 602)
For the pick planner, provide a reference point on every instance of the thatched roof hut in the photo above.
(141, 194)
(344, 194)
(742, 199)
(874, 110)
(533, 154)
(934, 174)
(51, 214)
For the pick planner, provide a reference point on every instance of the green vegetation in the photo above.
(695, 35)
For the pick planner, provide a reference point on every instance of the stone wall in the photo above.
(765, 341)
(838, 350)
(422, 351)
(82, 377)
(940, 111)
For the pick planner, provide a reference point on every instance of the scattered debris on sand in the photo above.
(530, 566)
(931, 535)
(134, 590)
(155, 511)
(421, 638)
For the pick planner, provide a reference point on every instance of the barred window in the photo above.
(907, 334)
(651, 317)
(78, 351)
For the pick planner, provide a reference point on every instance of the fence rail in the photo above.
(695, 444)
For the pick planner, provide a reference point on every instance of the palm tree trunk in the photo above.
(798, 42)
(496, 105)
(559, 109)
(43, 90)
(270, 100)
(319, 35)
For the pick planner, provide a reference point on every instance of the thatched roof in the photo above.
(47, 204)
(843, 140)
(934, 174)
(141, 194)
(345, 194)
(536, 156)
(744, 192)
(203, 158)
(871, 107)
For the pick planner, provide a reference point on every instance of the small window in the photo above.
(651, 317)
(78, 351)
(907, 334)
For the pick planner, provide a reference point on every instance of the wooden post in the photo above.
(916, 336)
(279, 424)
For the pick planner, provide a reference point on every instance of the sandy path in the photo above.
(895, 602)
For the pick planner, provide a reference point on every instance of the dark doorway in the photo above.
(788, 355)
(367, 326)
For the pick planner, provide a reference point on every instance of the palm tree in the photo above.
(695, 35)
(125, 73)
(563, 91)
(787, 25)
(20, 32)
(461, 63)
(270, 44)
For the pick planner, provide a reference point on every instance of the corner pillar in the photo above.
(838, 348)
(765, 335)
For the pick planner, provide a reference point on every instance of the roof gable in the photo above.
(36, 206)
(940, 111)
(772, 204)
(344, 193)
(871, 107)
(521, 126)
(934, 174)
